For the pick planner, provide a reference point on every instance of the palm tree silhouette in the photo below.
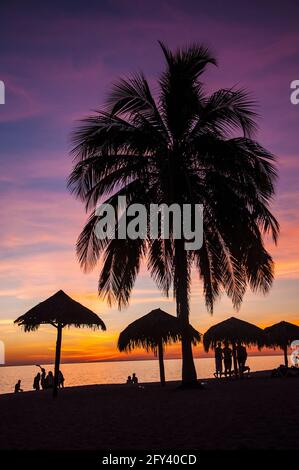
(179, 146)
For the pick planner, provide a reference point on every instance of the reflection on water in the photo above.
(117, 372)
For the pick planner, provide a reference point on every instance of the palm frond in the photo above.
(225, 111)
(121, 264)
(181, 92)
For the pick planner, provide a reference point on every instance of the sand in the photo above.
(254, 413)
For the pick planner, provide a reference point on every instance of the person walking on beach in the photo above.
(43, 377)
(60, 379)
(227, 356)
(36, 382)
(218, 360)
(241, 358)
(134, 378)
(18, 387)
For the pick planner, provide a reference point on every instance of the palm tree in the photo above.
(152, 332)
(181, 146)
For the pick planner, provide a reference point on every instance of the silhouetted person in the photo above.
(43, 377)
(227, 357)
(134, 378)
(36, 382)
(60, 379)
(129, 380)
(285, 371)
(218, 360)
(18, 387)
(50, 380)
(242, 358)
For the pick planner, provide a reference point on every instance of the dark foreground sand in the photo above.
(254, 413)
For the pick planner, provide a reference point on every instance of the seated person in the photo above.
(134, 378)
(284, 371)
(244, 369)
(18, 387)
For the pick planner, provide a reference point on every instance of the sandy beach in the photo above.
(254, 413)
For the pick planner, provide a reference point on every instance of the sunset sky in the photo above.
(57, 63)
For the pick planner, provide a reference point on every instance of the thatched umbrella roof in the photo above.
(152, 332)
(281, 334)
(59, 309)
(233, 330)
(147, 331)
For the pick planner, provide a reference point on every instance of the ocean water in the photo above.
(117, 372)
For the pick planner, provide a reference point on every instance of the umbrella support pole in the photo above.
(161, 363)
(57, 360)
(235, 360)
(285, 353)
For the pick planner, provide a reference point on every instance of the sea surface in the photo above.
(117, 372)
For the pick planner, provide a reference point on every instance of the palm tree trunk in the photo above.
(181, 288)
(285, 352)
(161, 363)
(57, 359)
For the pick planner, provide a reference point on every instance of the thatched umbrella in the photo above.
(59, 310)
(281, 335)
(152, 332)
(233, 330)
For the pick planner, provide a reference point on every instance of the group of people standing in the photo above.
(224, 357)
(45, 381)
(42, 381)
